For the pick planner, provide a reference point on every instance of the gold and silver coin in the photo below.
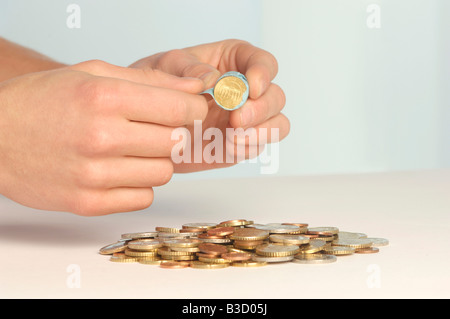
(230, 91)
(239, 243)
(314, 259)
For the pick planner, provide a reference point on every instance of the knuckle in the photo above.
(90, 174)
(95, 141)
(85, 204)
(91, 66)
(96, 93)
(169, 57)
(179, 112)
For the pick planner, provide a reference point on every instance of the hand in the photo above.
(92, 138)
(207, 62)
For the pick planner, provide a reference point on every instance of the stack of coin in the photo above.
(239, 243)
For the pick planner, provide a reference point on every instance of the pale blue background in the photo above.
(359, 99)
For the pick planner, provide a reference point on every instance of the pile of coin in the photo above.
(239, 243)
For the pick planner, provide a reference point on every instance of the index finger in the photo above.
(145, 103)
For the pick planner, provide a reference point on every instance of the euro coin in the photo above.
(231, 91)
(314, 259)
(274, 250)
(113, 248)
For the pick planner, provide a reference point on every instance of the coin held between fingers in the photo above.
(230, 91)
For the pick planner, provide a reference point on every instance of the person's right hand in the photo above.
(92, 138)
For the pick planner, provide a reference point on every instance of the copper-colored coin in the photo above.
(174, 264)
(310, 236)
(221, 231)
(192, 230)
(206, 255)
(296, 224)
(206, 236)
(236, 256)
(248, 243)
(369, 250)
(210, 248)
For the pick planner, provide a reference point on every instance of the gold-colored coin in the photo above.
(202, 265)
(275, 250)
(314, 246)
(139, 235)
(167, 229)
(339, 250)
(354, 243)
(229, 91)
(166, 251)
(213, 260)
(123, 259)
(252, 234)
(272, 259)
(289, 239)
(331, 230)
(186, 249)
(117, 247)
(179, 257)
(185, 242)
(144, 244)
(140, 253)
(174, 264)
(249, 263)
(147, 261)
(204, 226)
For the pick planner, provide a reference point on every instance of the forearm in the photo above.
(16, 60)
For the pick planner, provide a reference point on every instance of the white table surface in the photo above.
(411, 209)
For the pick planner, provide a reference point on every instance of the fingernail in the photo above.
(209, 78)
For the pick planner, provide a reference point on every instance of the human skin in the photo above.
(261, 111)
(95, 139)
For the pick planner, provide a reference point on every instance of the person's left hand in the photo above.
(261, 111)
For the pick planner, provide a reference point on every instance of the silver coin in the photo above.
(144, 244)
(279, 249)
(355, 243)
(289, 239)
(272, 259)
(378, 242)
(216, 240)
(175, 235)
(351, 235)
(276, 228)
(314, 259)
(331, 230)
(151, 234)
